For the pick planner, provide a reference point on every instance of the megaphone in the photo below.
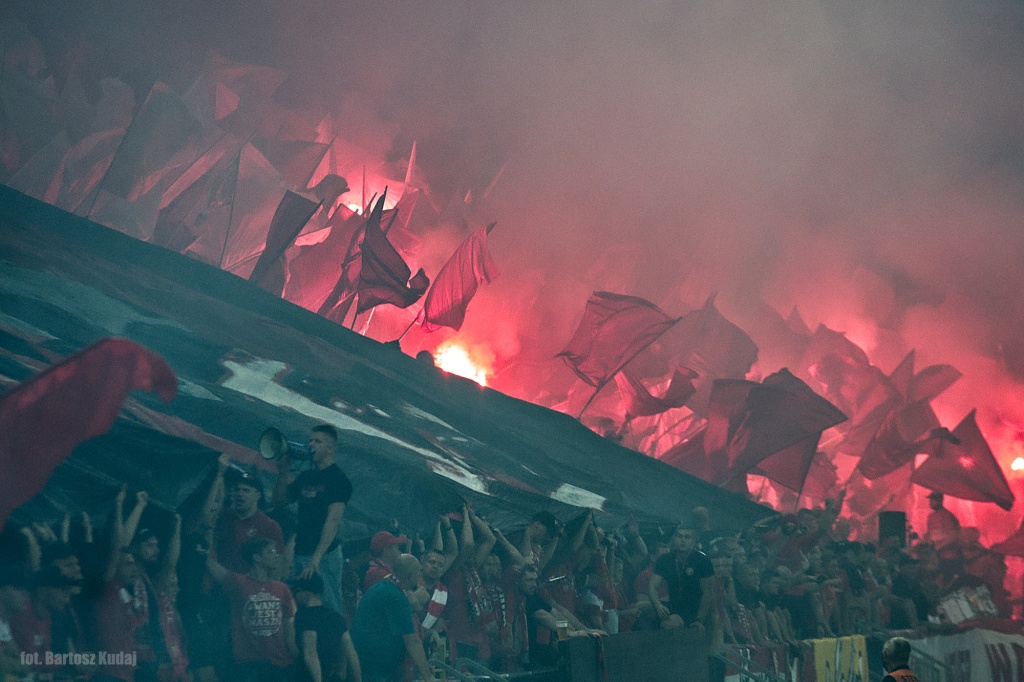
(273, 445)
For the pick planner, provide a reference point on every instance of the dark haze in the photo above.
(863, 162)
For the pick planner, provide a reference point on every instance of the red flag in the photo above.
(44, 418)
(295, 160)
(931, 381)
(291, 216)
(1011, 546)
(613, 330)
(384, 275)
(866, 498)
(689, 455)
(640, 403)
(750, 422)
(708, 342)
(454, 287)
(821, 481)
(315, 268)
(966, 469)
(903, 375)
(895, 443)
(789, 467)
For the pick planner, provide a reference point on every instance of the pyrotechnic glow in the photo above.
(455, 359)
(1018, 464)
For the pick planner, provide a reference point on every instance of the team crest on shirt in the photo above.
(689, 570)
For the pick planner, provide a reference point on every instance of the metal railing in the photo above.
(928, 668)
(748, 669)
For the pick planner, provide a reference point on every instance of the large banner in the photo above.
(844, 659)
(972, 656)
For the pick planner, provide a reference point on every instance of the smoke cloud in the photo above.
(862, 162)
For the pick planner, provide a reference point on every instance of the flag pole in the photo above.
(411, 324)
(354, 318)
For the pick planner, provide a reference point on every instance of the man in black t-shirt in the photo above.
(685, 572)
(322, 494)
(326, 653)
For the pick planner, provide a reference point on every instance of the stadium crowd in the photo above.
(248, 589)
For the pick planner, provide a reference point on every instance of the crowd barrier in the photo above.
(682, 656)
(678, 655)
(976, 655)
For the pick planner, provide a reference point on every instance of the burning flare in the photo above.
(454, 359)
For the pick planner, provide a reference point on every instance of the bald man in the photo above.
(383, 630)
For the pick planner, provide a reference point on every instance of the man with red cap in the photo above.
(386, 548)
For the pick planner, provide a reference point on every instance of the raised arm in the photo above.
(285, 476)
(467, 545)
(35, 552)
(170, 559)
(515, 556)
(131, 524)
(487, 539)
(449, 543)
(215, 495)
(547, 552)
(116, 533)
(581, 534)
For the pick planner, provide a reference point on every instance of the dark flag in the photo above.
(690, 456)
(613, 330)
(457, 282)
(749, 422)
(640, 403)
(43, 419)
(384, 276)
(790, 466)
(963, 466)
(865, 498)
(895, 443)
(291, 216)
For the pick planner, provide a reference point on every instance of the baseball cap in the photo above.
(384, 539)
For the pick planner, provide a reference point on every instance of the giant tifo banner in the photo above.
(975, 656)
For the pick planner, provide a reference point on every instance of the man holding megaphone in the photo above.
(322, 494)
